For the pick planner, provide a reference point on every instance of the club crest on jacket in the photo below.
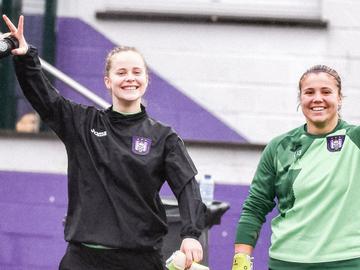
(335, 143)
(141, 145)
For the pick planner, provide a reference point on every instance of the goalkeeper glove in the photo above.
(242, 261)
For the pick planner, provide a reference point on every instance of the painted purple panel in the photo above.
(32, 219)
(27, 252)
(30, 224)
(17, 187)
(33, 251)
(222, 236)
(7, 254)
(32, 206)
(81, 56)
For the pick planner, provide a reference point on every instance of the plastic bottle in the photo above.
(7, 44)
(206, 186)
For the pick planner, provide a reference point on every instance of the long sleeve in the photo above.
(180, 173)
(53, 109)
(259, 202)
(192, 210)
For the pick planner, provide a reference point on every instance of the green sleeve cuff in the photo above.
(246, 234)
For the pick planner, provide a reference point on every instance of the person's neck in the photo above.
(322, 128)
(127, 109)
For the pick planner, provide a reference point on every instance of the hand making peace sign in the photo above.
(18, 33)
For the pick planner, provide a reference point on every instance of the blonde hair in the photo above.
(120, 49)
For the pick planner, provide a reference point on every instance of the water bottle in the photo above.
(7, 44)
(206, 186)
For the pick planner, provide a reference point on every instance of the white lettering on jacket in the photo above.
(99, 133)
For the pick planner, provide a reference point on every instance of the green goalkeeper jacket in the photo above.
(314, 180)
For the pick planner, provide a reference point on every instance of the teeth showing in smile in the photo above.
(317, 109)
(130, 87)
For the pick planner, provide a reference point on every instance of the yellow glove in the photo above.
(242, 261)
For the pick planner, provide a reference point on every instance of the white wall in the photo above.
(32, 154)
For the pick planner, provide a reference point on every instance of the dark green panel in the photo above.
(49, 36)
(12, 9)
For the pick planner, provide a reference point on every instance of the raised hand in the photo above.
(18, 33)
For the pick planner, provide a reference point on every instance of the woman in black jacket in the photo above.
(118, 159)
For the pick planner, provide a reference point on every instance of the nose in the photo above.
(318, 97)
(130, 77)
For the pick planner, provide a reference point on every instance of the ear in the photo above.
(107, 82)
(340, 104)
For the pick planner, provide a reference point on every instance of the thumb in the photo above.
(20, 51)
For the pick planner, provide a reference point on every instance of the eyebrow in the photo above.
(322, 88)
(123, 68)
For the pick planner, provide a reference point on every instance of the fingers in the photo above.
(18, 33)
(189, 259)
(197, 255)
(9, 24)
(192, 250)
(192, 256)
(20, 28)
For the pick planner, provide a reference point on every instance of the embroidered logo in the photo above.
(335, 143)
(141, 145)
(99, 133)
(297, 153)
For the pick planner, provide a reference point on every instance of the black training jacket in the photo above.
(116, 167)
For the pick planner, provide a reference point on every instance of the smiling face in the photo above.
(320, 101)
(126, 78)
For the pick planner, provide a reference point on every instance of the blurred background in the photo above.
(223, 73)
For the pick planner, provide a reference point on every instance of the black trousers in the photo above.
(79, 257)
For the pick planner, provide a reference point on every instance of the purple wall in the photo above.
(31, 234)
(31, 209)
